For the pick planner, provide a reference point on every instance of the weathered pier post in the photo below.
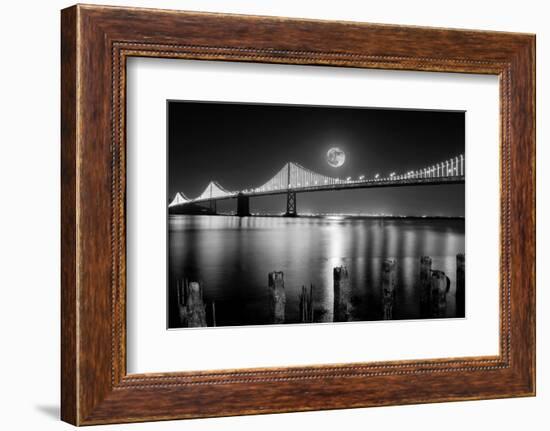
(179, 293)
(425, 285)
(277, 297)
(192, 308)
(460, 285)
(213, 313)
(389, 280)
(342, 295)
(306, 305)
(181, 290)
(440, 286)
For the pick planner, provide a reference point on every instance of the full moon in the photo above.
(336, 157)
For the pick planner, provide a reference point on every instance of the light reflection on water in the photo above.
(232, 256)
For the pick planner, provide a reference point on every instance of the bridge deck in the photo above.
(344, 185)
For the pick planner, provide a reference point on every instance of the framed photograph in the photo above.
(266, 215)
(339, 257)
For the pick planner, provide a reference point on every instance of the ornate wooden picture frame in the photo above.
(96, 41)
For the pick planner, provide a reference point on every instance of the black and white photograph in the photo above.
(275, 215)
(297, 214)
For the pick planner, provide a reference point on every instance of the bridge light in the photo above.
(392, 175)
(376, 176)
(315, 182)
(361, 177)
(348, 179)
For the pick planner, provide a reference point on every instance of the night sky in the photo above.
(244, 145)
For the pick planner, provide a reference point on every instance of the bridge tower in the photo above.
(243, 205)
(290, 197)
(212, 205)
(291, 204)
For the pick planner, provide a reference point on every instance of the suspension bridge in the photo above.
(293, 178)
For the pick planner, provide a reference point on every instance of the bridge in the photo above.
(292, 179)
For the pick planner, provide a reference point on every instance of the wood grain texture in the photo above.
(96, 41)
(69, 397)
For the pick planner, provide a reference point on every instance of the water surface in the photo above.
(231, 257)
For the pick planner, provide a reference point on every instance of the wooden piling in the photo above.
(181, 290)
(192, 308)
(440, 286)
(342, 295)
(425, 285)
(213, 313)
(306, 305)
(277, 297)
(460, 285)
(389, 280)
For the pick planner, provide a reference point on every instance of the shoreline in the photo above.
(332, 216)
